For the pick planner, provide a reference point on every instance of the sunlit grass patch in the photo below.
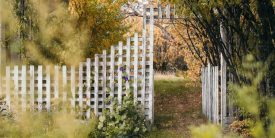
(171, 76)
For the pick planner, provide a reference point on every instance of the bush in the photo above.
(4, 112)
(126, 120)
(241, 127)
(57, 123)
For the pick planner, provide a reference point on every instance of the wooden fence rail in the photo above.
(215, 101)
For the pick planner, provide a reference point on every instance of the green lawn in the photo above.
(177, 107)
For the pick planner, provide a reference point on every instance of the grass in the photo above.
(177, 106)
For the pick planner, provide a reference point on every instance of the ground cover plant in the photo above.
(125, 120)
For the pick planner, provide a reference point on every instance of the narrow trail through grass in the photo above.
(177, 107)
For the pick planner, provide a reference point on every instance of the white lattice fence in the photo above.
(90, 83)
(36, 87)
(216, 105)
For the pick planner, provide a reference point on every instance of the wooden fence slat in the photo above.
(88, 87)
(73, 86)
(209, 90)
(96, 85)
(56, 82)
(223, 91)
(15, 81)
(80, 86)
(206, 89)
(136, 67)
(23, 87)
(168, 11)
(128, 62)
(203, 92)
(214, 94)
(211, 93)
(213, 117)
(48, 88)
(217, 93)
(104, 79)
(64, 84)
(120, 69)
(8, 88)
(32, 85)
(160, 11)
(40, 88)
(1, 66)
(112, 70)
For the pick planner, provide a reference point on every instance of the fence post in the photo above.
(223, 90)
(144, 45)
(151, 78)
(88, 87)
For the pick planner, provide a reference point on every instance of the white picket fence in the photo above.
(215, 101)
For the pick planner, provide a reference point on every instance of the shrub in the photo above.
(4, 112)
(241, 127)
(126, 120)
(57, 123)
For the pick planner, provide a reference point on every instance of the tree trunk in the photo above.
(266, 47)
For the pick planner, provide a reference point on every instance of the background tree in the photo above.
(62, 32)
(233, 28)
(103, 20)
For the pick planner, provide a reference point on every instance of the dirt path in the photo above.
(177, 107)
